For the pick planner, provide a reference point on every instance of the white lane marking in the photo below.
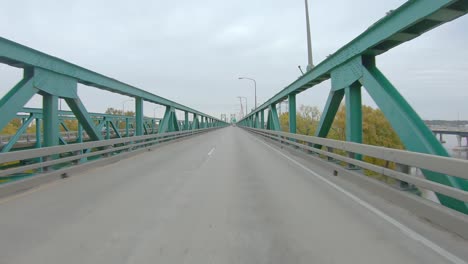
(211, 151)
(404, 229)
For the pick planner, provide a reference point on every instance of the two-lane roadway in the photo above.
(220, 197)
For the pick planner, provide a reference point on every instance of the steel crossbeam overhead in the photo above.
(354, 66)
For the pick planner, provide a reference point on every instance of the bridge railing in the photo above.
(354, 68)
(60, 159)
(350, 157)
(68, 135)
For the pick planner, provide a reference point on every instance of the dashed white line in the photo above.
(211, 151)
(404, 229)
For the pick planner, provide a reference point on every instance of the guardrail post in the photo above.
(331, 150)
(402, 185)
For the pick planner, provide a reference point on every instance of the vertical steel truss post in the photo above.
(257, 120)
(292, 113)
(51, 120)
(354, 115)
(186, 120)
(138, 116)
(38, 133)
(195, 122)
(262, 119)
(126, 127)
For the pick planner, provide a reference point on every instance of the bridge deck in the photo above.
(222, 197)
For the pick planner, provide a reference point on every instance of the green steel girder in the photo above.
(20, 56)
(80, 112)
(62, 141)
(174, 123)
(139, 116)
(262, 119)
(292, 113)
(169, 123)
(195, 122)
(202, 122)
(108, 129)
(127, 124)
(64, 126)
(50, 119)
(186, 120)
(116, 130)
(164, 123)
(403, 24)
(273, 122)
(18, 134)
(38, 133)
(329, 112)
(145, 128)
(414, 134)
(257, 121)
(353, 113)
(70, 114)
(16, 98)
(52, 83)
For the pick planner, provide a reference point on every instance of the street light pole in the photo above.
(154, 111)
(246, 105)
(255, 87)
(123, 105)
(310, 64)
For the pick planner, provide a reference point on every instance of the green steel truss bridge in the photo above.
(137, 189)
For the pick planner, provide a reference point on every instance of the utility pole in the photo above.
(310, 62)
(241, 108)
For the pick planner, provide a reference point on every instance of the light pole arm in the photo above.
(255, 87)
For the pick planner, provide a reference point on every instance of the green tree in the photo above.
(376, 130)
(115, 111)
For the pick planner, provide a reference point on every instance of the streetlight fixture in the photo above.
(123, 105)
(255, 87)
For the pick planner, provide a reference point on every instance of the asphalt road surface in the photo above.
(220, 197)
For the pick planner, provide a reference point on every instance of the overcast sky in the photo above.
(194, 51)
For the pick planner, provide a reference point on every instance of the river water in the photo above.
(451, 142)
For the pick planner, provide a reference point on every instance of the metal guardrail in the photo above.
(449, 166)
(47, 159)
(68, 135)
